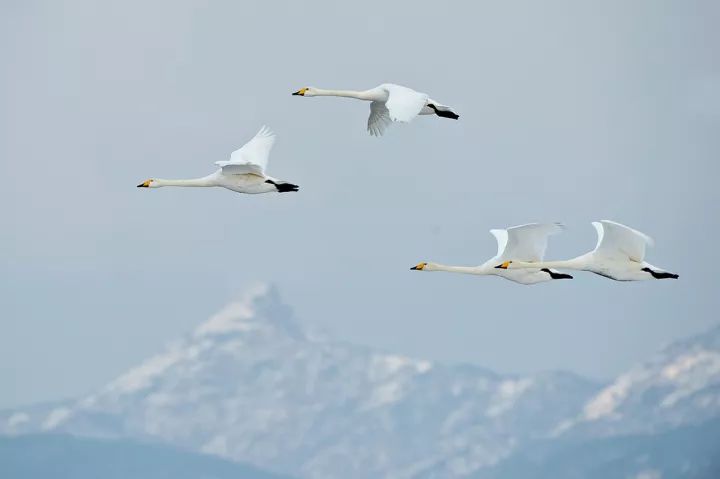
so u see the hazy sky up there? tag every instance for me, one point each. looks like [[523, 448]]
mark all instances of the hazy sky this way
[[570, 111]]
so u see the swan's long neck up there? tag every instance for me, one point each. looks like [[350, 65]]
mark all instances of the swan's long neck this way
[[205, 181], [368, 95], [457, 269]]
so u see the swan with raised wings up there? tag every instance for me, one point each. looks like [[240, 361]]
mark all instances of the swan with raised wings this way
[[243, 173], [526, 241], [619, 255], [388, 103]]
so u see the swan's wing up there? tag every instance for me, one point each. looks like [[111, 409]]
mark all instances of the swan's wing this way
[[525, 242], [253, 157], [403, 104], [619, 241], [379, 118], [229, 168]]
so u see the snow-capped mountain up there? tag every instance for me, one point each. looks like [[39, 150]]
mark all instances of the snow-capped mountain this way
[[679, 386], [250, 384]]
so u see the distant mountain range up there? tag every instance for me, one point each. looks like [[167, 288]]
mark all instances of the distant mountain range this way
[[689, 452], [66, 457], [251, 385]]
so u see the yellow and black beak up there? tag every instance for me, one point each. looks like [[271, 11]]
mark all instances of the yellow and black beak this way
[[144, 184], [504, 265], [418, 267], [300, 92]]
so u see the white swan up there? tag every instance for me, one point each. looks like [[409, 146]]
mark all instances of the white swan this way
[[619, 255], [244, 173], [389, 103], [526, 241]]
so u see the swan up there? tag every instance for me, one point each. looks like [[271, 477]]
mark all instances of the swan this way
[[388, 103], [619, 255], [526, 241], [244, 173]]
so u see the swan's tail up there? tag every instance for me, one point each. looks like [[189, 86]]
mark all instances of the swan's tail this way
[[282, 186], [443, 111]]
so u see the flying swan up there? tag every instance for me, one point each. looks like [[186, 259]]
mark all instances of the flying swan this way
[[388, 103], [244, 173], [525, 241], [619, 255]]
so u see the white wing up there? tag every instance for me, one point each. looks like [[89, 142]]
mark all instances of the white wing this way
[[252, 158], [525, 242], [403, 104], [620, 241], [379, 118]]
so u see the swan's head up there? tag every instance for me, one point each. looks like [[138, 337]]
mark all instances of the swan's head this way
[[307, 91], [424, 267], [149, 184], [505, 265]]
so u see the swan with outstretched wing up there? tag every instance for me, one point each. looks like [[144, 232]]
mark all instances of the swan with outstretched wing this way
[[388, 103], [243, 173], [524, 241], [619, 254]]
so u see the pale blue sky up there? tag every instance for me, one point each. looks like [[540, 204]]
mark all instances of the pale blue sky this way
[[570, 111]]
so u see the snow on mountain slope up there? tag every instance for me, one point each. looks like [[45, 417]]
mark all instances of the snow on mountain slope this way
[[678, 386], [250, 384]]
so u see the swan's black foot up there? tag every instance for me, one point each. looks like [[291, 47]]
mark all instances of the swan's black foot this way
[[444, 113], [555, 275], [661, 274]]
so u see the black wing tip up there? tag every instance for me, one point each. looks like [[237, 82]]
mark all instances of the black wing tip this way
[[444, 113], [555, 275], [286, 187], [448, 114], [661, 274]]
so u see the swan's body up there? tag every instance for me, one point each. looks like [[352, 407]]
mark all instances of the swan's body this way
[[244, 173], [389, 103], [526, 241], [619, 255]]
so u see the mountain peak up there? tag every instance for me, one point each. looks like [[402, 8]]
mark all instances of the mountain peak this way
[[259, 308], [251, 385], [259, 311]]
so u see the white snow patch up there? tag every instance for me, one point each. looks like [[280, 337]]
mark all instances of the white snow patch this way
[[508, 392], [605, 403], [55, 418], [235, 316], [423, 366], [394, 363], [561, 428], [17, 419], [385, 394], [691, 373], [389, 364], [710, 361], [142, 376]]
